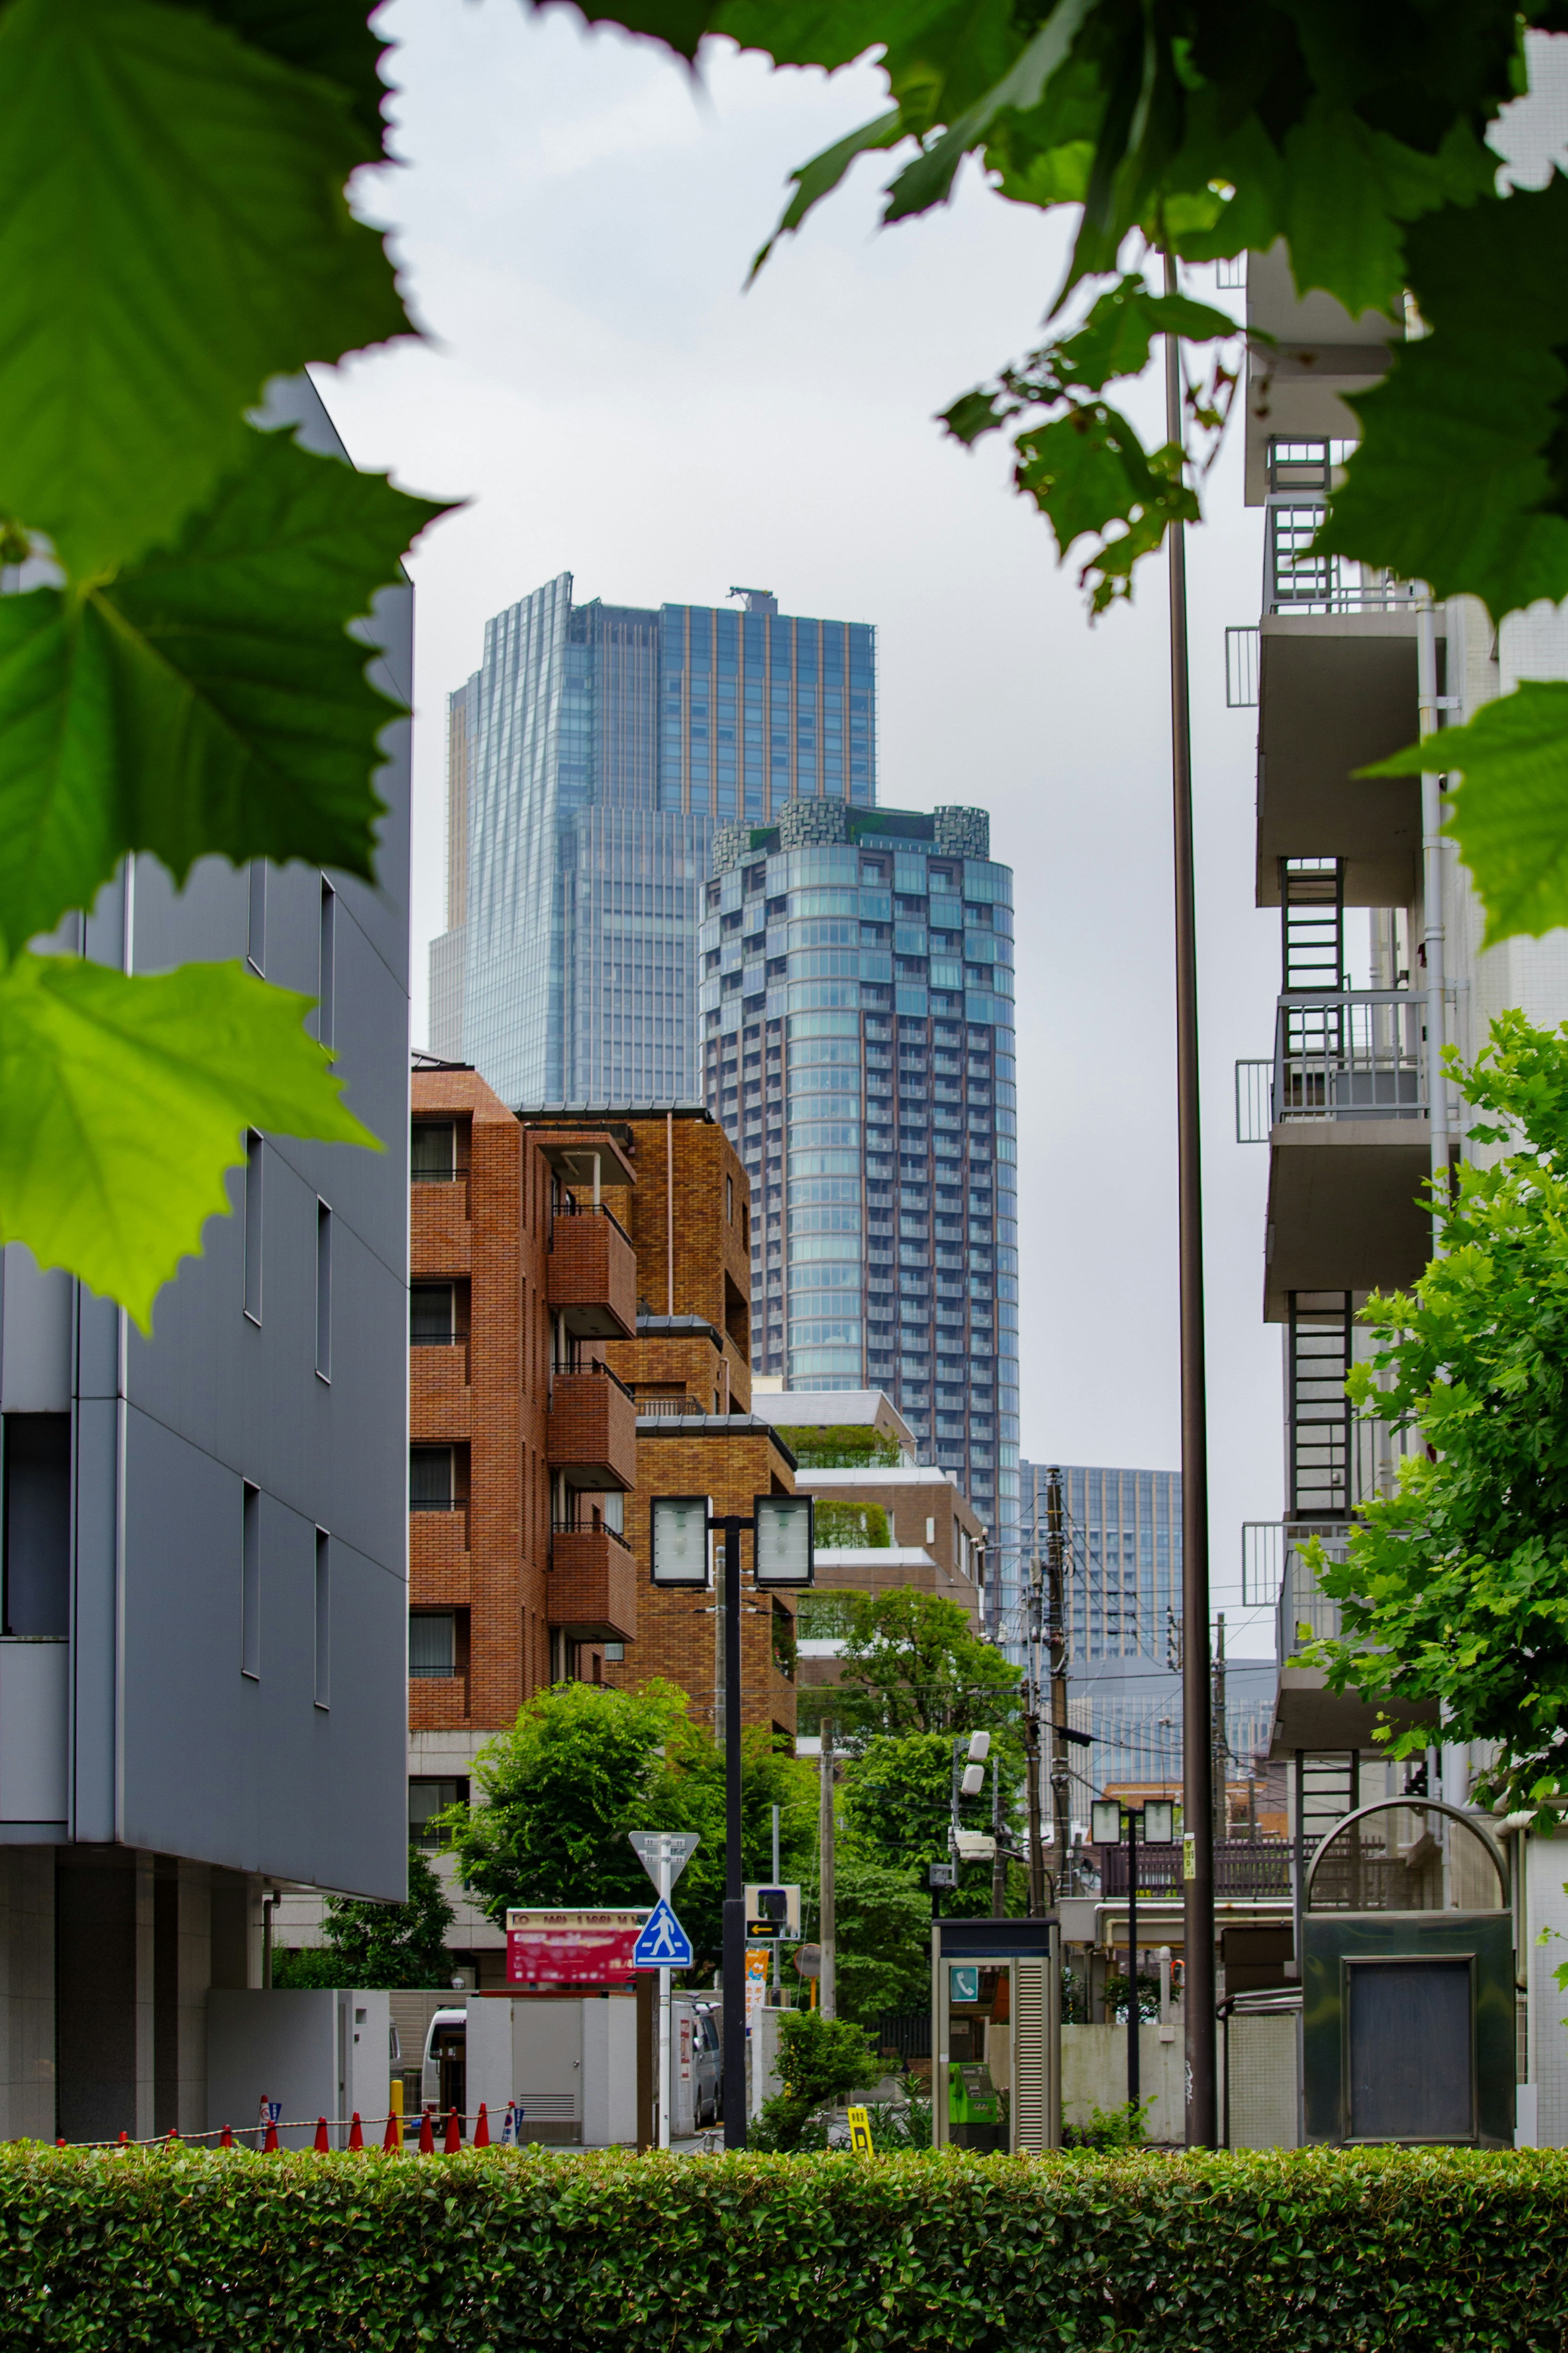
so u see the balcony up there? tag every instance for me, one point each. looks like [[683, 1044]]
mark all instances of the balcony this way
[[1320, 353], [438, 1392], [1343, 1107], [1336, 691], [593, 1276], [590, 1431], [593, 1589], [440, 1233], [439, 1559], [1307, 1715]]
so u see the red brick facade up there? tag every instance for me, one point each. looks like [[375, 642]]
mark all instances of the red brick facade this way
[[670, 1260]]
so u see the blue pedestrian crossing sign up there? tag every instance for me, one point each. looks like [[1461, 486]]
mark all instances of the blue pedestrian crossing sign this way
[[663, 1943]]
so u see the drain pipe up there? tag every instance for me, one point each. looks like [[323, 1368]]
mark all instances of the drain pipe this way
[[1432, 891]]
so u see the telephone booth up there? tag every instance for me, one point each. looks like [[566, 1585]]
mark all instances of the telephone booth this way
[[995, 2031], [1407, 2014]]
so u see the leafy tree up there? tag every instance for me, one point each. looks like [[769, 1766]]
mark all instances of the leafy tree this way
[[821, 2060], [882, 1938], [1455, 1589], [1358, 139], [557, 1793], [912, 1663], [178, 677], [378, 1944], [894, 1800]]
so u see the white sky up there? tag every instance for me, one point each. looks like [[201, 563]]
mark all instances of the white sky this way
[[576, 221]]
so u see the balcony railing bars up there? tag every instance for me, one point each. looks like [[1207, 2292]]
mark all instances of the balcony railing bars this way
[[1352, 1053], [1264, 1544], [1298, 578], [569, 1209], [1304, 1612], [572, 1368], [679, 1407], [587, 1526], [1242, 1868]]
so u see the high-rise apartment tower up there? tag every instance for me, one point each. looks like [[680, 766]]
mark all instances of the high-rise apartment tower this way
[[590, 758], [857, 1043]]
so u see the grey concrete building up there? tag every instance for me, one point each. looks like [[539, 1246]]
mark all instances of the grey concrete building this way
[[202, 1667]]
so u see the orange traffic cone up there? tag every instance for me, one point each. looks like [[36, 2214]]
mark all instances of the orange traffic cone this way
[[391, 2138], [321, 2142], [454, 2140], [269, 2146], [356, 2137], [482, 2129], [226, 2139], [426, 2136]]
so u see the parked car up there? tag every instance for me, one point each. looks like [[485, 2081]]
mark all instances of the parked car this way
[[707, 2064]]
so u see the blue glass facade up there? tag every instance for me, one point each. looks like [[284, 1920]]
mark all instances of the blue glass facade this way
[[858, 1045], [1124, 1557], [591, 756]]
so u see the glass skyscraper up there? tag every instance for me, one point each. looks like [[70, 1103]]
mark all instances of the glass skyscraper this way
[[590, 758], [858, 1045], [1123, 1532]]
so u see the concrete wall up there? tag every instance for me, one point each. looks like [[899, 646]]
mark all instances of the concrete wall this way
[[26, 1993], [1094, 2074]]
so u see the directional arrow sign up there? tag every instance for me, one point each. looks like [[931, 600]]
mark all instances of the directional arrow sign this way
[[663, 1943], [674, 1847]]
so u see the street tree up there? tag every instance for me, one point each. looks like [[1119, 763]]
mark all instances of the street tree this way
[[1455, 1590], [912, 1663], [896, 1799], [378, 1944], [1358, 141], [557, 1792]]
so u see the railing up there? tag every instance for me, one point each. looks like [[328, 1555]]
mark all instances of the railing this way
[[592, 1210], [1267, 1545], [589, 1527], [592, 1365], [1242, 1868], [1300, 579], [1339, 1054], [1304, 1612], [680, 1406]]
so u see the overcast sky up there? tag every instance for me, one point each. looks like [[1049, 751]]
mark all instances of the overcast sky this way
[[575, 218]]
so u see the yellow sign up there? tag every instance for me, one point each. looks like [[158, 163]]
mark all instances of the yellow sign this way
[[860, 2132]]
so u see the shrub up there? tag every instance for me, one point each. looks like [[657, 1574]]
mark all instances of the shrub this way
[[1122, 2127], [1355, 2251]]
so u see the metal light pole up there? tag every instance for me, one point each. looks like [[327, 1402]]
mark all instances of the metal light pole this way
[[1197, 1764], [1134, 2080]]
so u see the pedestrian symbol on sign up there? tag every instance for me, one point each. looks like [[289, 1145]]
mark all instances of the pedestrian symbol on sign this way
[[663, 1943]]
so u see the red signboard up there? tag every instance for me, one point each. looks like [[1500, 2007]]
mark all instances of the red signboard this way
[[570, 1948]]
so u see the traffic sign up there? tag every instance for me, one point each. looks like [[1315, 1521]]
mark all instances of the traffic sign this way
[[663, 1944], [654, 1848], [860, 2132]]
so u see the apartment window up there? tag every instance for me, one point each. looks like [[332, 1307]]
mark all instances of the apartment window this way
[[326, 981], [614, 1654], [256, 924], [433, 1645], [433, 1314], [250, 1583], [434, 1156], [324, 1619], [427, 1799], [430, 1479], [324, 1292], [37, 1523], [253, 1149]]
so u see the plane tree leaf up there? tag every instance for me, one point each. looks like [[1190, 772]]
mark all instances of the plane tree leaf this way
[[207, 698], [1510, 816], [124, 1099], [172, 232], [331, 38], [1462, 477]]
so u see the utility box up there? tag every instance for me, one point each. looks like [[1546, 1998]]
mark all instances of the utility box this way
[[317, 2053], [567, 2062], [996, 2035], [1408, 2007]]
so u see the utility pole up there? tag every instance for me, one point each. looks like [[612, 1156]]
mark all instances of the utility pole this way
[[998, 1860], [1056, 1628], [733, 2023], [1134, 2080], [1032, 1736], [827, 1996], [1197, 1761]]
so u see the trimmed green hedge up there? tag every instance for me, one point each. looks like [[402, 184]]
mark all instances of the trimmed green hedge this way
[[1420, 2251]]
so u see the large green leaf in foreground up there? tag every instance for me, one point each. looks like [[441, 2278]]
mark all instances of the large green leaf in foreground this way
[[207, 698], [172, 232], [1509, 816], [124, 1097]]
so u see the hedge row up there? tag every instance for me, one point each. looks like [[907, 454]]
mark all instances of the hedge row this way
[[1422, 2252]]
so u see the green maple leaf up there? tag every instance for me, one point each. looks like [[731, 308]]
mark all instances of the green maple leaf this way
[[207, 698], [124, 1097], [1509, 816], [172, 233]]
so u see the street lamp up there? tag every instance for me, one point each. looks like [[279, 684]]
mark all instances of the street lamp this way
[[1156, 1821], [782, 1536]]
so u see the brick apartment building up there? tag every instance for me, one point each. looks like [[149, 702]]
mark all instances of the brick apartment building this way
[[580, 1342]]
